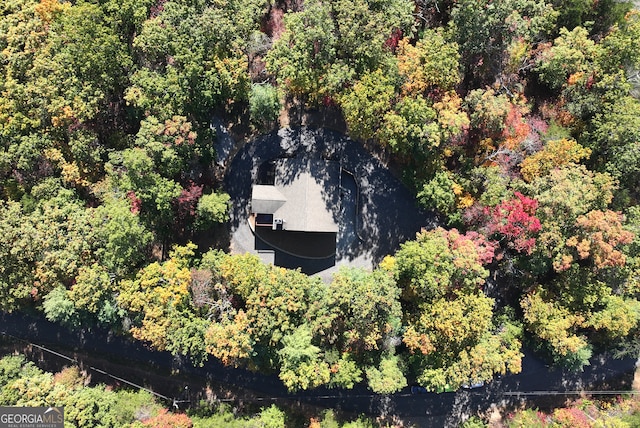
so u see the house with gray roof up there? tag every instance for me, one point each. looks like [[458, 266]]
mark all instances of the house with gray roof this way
[[296, 211]]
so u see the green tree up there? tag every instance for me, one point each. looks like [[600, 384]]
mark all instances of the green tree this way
[[485, 29], [13, 367], [366, 103], [170, 143], [572, 52], [489, 185], [455, 342], [411, 128], [278, 305], [59, 308], [18, 251], [63, 81], [600, 15], [89, 407], [365, 312], [29, 391], [87, 60], [439, 261], [134, 173], [451, 331], [615, 138], [63, 234], [488, 110], [122, 240], [388, 377], [302, 56], [192, 59], [563, 195], [439, 194], [93, 294], [329, 45], [270, 303], [619, 44], [591, 75], [212, 209], [570, 191], [557, 326], [301, 365], [77, 66], [272, 417], [591, 299], [264, 105], [357, 321], [431, 65]]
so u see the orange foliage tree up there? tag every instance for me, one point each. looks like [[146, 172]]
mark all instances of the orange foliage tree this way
[[166, 419], [599, 237]]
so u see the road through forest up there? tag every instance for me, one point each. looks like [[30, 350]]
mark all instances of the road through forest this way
[[168, 376]]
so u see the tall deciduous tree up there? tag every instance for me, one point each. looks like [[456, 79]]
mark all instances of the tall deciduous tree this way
[[358, 321], [429, 67], [122, 241], [133, 171], [18, 253], [615, 140], [455, 342], [191, 57], [364, 311], [556, 153], [564, 195], [264, 105], [366, 103], [451, 330], [301, 365], [440, 261], [329, 45], [485, 29], [158, 302]]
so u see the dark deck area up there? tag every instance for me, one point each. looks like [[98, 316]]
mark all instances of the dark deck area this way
[[310, 245]]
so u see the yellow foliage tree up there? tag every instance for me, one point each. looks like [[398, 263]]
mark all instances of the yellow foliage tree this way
[[433, 63], [158, 300], [555, 154]]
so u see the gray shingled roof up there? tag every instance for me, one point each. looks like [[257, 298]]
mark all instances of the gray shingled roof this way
[[304, 193], [266, 199]]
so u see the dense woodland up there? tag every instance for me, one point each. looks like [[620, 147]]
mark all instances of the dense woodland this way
[[23, 384], [516, 121]]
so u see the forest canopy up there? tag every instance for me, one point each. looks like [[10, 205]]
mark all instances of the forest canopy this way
[[515, 122]]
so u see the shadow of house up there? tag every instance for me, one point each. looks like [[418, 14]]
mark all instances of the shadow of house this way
[[296, 217]]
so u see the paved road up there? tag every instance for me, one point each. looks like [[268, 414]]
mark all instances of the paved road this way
[[386, 212], [168, 376]]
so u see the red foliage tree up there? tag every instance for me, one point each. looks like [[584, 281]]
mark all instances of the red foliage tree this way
[[472, 242], [514, 223], [135, 201], [187, 202], [392, 42], [516, 128]]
